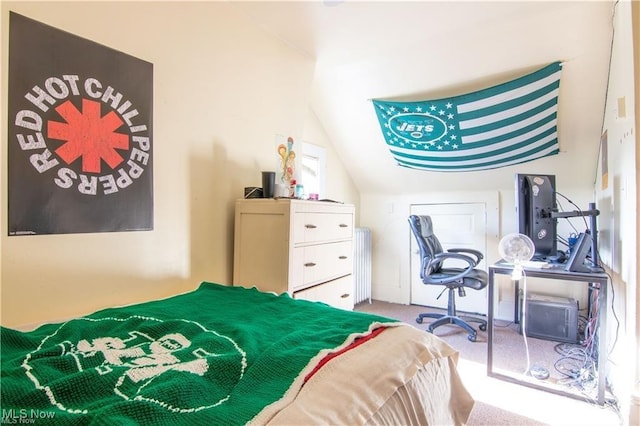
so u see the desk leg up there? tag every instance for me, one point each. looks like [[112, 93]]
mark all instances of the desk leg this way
[[602, 340], [490, 284]]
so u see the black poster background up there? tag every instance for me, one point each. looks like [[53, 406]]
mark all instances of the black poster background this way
[[37, 205]]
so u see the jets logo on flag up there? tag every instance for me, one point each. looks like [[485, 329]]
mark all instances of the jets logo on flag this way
[[511, 123]]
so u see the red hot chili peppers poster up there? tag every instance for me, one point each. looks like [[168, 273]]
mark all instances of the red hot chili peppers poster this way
[[80, 134]]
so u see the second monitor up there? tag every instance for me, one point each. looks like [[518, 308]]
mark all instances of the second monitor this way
[[579, 260]]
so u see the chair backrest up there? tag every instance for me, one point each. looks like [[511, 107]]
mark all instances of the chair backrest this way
[[428, 243]]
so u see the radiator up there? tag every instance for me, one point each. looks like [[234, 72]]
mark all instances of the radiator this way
[[362, 265]]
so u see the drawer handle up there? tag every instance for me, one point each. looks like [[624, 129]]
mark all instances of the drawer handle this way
[[310, 226], [344, 296], [343, 225], [342, 257], [309, 264]]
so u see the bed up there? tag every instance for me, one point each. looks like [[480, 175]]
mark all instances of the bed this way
[[230, 355]]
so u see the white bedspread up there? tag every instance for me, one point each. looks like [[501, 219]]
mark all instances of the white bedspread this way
[[403, 376]]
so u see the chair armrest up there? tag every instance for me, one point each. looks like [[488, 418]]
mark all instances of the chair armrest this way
[[478, 255], [442, 257]]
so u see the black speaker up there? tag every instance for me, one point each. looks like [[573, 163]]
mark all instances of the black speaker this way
[[550, 318]]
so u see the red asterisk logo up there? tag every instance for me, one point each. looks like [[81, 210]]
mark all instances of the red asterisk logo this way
[[88, 135]]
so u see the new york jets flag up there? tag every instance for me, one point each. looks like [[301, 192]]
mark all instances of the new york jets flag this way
[[511, 123]]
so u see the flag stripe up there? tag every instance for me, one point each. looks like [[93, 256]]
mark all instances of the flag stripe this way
[[534, 82], [550, 136], [478, 167], [506, 110], [490, 133], [507, 124], [473, 165]]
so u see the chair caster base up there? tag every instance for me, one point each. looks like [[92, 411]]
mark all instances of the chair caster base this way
[[452, 319]]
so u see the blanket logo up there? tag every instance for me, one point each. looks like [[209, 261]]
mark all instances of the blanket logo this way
[[65, 131], [168, 363]]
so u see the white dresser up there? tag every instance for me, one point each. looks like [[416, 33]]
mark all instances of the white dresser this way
[[301, 247]]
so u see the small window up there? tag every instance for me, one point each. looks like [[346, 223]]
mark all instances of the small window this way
[[314, 160]]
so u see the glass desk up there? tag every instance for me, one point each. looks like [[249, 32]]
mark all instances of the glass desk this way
[[597, 281]]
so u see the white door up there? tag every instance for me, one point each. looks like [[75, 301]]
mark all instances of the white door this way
[[457, 225]]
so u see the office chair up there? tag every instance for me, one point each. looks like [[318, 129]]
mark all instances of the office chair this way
[[434, 272]]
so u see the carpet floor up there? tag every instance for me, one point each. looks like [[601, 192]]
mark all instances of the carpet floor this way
[[499, 402]]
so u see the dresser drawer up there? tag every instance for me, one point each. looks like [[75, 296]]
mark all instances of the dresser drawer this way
[[314, 227], [285, 245], [337, 293], [314, 264]]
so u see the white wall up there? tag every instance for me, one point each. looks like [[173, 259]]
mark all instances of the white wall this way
[[222, 90], [617, 194]]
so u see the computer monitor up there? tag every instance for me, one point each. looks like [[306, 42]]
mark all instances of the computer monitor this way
[[535, 203], [578, 257]]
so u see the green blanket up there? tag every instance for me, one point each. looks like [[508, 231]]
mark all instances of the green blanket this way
[[216, 355]]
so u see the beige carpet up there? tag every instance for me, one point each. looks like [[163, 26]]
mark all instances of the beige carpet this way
[[499, 402]]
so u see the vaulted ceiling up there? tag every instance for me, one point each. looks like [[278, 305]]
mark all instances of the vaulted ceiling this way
[[428, 49]]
